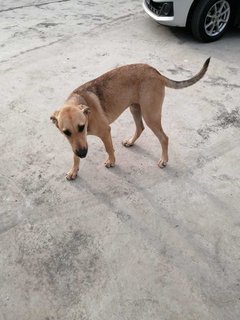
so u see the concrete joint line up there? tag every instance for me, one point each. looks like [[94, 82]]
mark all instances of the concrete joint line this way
[[33, 5]]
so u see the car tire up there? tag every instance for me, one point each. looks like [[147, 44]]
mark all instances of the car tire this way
[[210, 19]]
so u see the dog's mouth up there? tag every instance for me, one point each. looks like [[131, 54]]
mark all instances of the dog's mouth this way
[[81, 153]]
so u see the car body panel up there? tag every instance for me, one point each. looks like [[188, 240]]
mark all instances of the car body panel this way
[[179, 20], [181, 11]]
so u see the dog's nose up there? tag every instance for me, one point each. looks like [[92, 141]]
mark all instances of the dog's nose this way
[[81, 153]]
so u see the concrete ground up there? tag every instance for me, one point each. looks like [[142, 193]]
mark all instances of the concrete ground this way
[[133, 242]]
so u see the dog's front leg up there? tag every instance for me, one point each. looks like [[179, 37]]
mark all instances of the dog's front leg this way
[[72, 174], [107, 140]]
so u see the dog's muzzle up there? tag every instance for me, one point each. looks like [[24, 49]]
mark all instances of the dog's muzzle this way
[[81, 153]]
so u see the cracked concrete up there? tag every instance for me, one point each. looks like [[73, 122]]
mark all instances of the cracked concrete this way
[[134, 242], [72, 18], [36, 4]]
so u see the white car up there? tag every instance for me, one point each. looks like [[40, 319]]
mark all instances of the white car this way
[[207, 19]]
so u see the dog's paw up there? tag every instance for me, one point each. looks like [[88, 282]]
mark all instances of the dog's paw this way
[[71, 175], [127, 143], [162, 164], [109, 163]]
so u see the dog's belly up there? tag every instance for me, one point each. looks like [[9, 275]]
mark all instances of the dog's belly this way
[[115, 102]]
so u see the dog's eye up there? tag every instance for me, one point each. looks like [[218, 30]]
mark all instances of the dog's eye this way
[[67, 132], [81, 128]]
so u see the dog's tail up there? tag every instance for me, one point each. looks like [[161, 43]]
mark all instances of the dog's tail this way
[[186, 83]]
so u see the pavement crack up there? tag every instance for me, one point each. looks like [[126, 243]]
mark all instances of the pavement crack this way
[[33, 5], [111, 22], [32, 49]]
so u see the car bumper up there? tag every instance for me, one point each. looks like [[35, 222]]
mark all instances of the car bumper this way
[[179, 17]]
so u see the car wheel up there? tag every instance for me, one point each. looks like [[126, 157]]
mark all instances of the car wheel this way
[[210, 19]]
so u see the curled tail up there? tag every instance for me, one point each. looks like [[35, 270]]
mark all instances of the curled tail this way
[[186, 83]]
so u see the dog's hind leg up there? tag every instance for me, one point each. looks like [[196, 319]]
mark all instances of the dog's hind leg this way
[[154, 123], [137, 116]]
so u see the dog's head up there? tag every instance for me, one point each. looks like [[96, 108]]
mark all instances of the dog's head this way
[[72, 121]]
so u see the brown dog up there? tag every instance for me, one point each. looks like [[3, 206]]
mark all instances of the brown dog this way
[[91, 108]]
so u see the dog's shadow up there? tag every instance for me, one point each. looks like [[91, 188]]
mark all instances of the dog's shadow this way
[[138, 150], [119, 173]]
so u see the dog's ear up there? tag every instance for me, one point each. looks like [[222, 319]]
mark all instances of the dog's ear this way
[[86, 110], [54, 118]]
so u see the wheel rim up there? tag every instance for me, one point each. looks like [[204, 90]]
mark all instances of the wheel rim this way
[[217, 18]]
